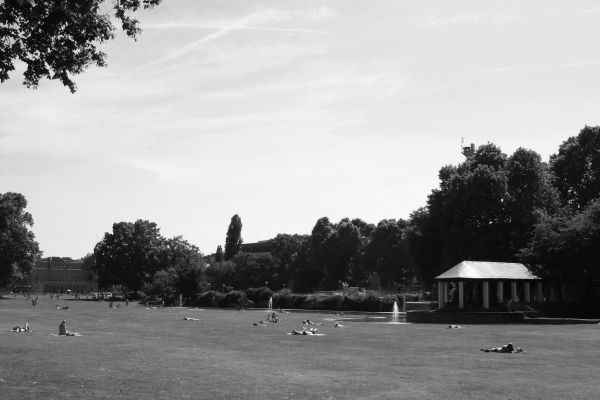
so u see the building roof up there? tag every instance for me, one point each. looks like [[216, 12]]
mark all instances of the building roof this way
[[487, 270]]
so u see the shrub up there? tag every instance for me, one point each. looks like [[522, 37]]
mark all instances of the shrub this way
[[260, 295], [334, 302], [283, 299], [205, 299], [231, 299]]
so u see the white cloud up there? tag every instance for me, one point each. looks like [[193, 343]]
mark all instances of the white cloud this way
[[433, 21], [577, 64], [253, 21], [594, 10]]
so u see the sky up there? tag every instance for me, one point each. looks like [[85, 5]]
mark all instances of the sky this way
[[287, 111]]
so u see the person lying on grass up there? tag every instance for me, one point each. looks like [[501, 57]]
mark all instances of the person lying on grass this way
[[507, 348], [21, 330], [309, 322], [454, 326], [190, 319], [62, 307], [62, 330], [304, 331], [338, 325]]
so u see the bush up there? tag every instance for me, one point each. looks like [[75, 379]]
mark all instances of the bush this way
[[283, 299], [259, 295], [233, 299], [334, 302], [361, 302], [206, 299]]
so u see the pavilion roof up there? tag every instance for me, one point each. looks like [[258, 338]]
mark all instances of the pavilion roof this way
[[487, 270]]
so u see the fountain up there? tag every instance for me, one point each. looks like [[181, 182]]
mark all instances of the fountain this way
[[395, 313], [270, 306]]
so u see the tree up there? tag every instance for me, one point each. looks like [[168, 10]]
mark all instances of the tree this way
[[387, 252], [288, 250], [425, 242], [484, 209], [530, 195], [564, 247], [219, 254], [254, 269], [576, 168], [335, 251], [18, 248], [57, 39], [130, 255], [183, 262], [233, 240]]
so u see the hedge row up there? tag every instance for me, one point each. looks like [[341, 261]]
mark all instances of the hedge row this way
[[286, 299]]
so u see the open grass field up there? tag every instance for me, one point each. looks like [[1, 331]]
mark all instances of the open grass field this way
[[135, 353]]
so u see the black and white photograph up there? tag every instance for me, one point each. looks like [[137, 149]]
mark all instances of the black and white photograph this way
[[299, 200]]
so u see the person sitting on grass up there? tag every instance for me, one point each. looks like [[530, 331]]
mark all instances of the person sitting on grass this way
[[62, 330], [338, 325]]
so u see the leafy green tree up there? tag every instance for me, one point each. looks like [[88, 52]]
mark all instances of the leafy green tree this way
[[288, 249], [425, 242], [387, 253], [184, 264], [18, 248], [335, 250], [219, 254], [130, 255], [254, 269], [530, 196], [484, 209], [221, 274], [233, 240], [57, 39], [564, 247], [576, 168]]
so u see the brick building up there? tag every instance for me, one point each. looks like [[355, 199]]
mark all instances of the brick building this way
[[57, 275]]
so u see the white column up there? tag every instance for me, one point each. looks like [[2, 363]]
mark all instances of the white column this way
[[513, 291], [440, 294], [461, 295], [486, 295], [500, 292], [527, 292], [540, 292]]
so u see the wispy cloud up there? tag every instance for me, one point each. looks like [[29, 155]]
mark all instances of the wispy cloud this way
[[594, 10], [577, 64], [253, 21], [433, 21]]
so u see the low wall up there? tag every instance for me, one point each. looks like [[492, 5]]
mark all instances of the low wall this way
[[447, 317]]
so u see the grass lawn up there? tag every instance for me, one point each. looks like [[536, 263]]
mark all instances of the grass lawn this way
[[134, 353]]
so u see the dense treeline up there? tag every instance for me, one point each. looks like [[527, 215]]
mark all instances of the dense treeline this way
[[492, 206]]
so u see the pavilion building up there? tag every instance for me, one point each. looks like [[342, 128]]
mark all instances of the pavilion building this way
[[484, 284]]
